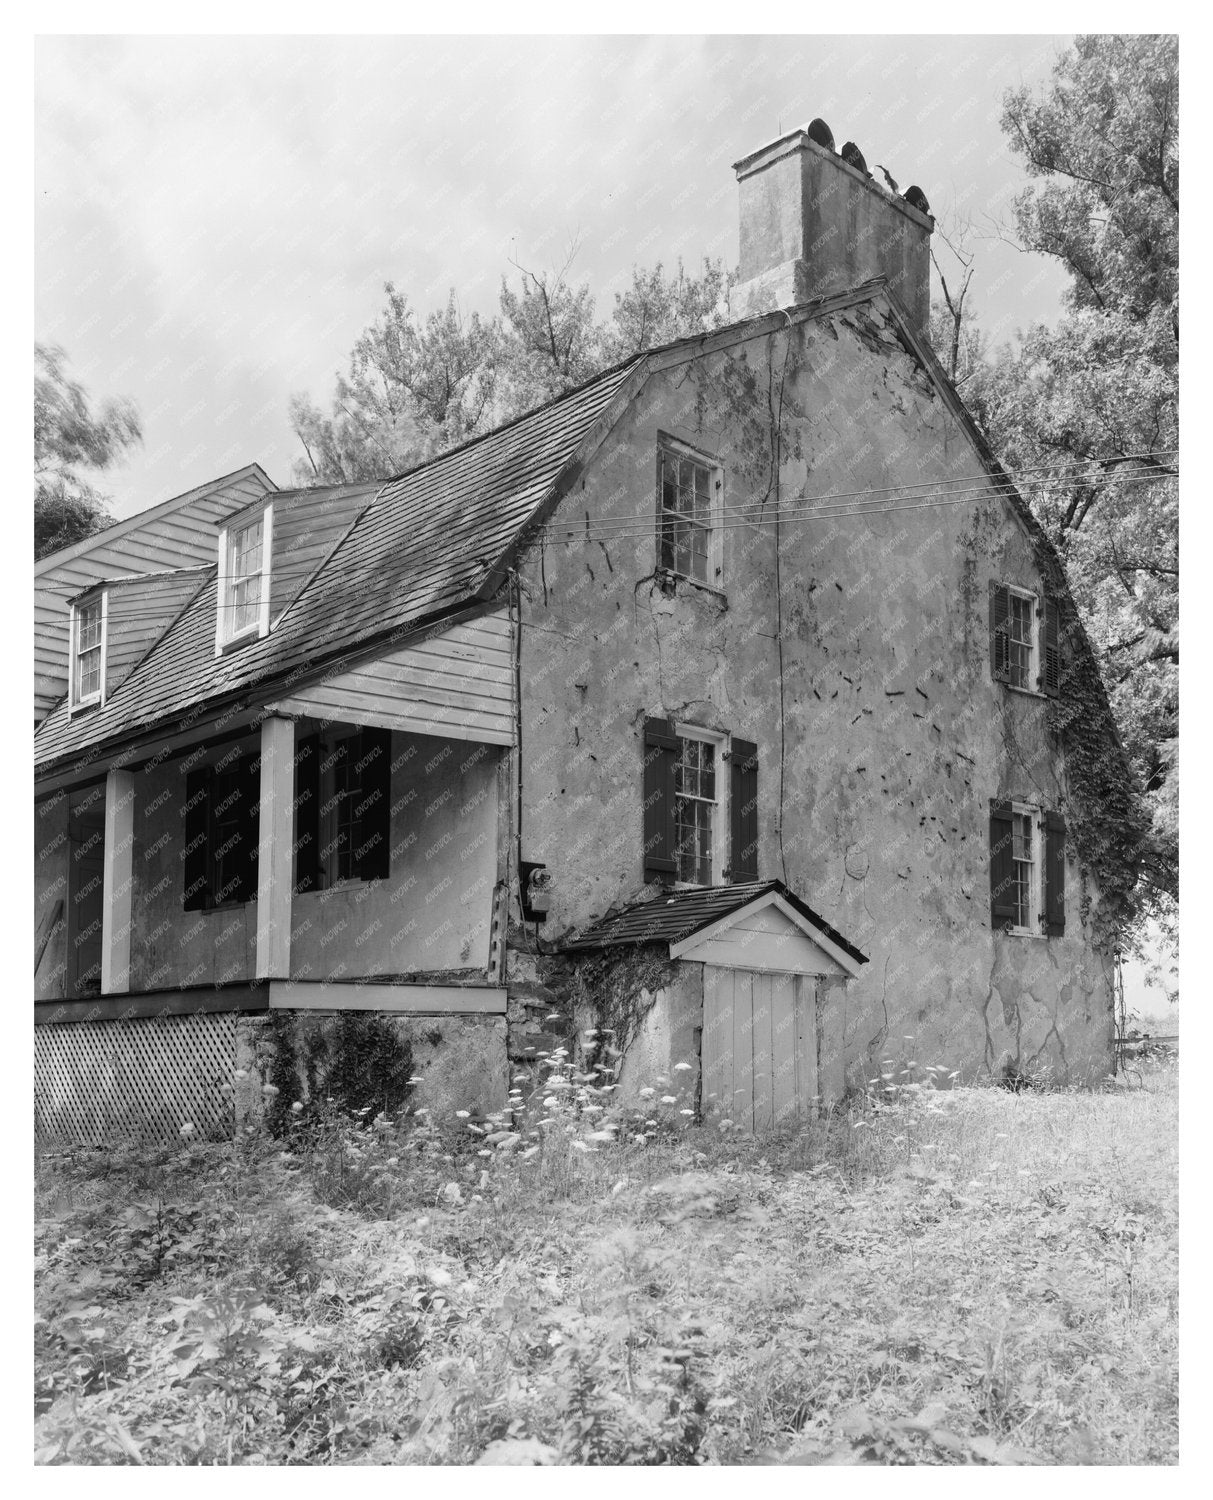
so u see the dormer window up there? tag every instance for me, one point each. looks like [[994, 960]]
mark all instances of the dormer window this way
[[244, 580], [88, 652]]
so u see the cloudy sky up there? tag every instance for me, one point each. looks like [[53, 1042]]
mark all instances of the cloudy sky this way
[[216, 216]]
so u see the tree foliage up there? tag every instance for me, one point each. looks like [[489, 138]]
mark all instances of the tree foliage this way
[[416, 387], [70, 436], [1087, 409]]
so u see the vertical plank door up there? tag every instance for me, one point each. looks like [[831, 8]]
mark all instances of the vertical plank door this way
[[763, 986], [788, 1105], [759, 1053]]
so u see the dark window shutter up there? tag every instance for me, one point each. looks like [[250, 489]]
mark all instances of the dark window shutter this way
[[250, 828], [1002, 867], [743, 812], [1050, 650], [660, 759], [373, 843], [1000, 637], [1055, 874], [197, 839], [307, 814], [665, 531]]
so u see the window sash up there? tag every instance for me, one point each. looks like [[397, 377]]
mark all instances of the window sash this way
[[244, 578], [1025, 846], [686, 514], [88, 652], [1021, 628], [696, 811]]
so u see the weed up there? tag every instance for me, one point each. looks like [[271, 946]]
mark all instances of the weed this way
[[959, 1276]]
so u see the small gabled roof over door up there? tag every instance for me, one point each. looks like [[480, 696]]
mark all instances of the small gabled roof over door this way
[[761, 926]]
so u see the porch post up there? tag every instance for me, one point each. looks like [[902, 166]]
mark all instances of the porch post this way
[[275, 872], [116, 882]]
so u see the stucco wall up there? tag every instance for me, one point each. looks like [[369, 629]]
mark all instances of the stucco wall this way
[[895, 737], [460, 1061], [668, 1035]]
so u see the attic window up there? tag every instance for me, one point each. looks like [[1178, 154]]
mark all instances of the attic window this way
[[88, 652], [244, 580], [1024, 639], [689, 491]]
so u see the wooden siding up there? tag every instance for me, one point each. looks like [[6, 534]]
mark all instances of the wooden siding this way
[[759, 1047], [178, 534], [764, 940], [138, 613], [458, 685], [307, 526], [414, 999]]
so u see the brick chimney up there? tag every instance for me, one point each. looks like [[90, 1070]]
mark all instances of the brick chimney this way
[[811, 224]]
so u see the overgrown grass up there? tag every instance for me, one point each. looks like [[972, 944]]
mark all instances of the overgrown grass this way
[[967, 1276]]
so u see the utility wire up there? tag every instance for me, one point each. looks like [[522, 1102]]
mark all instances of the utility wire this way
[[642, 529], [989, 489]]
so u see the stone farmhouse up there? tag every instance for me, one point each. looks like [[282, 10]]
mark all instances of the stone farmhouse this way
[[730, 710]]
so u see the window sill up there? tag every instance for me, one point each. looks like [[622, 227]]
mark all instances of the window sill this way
[[1025, 692], [706, 588], [84, 705], [236, 641]]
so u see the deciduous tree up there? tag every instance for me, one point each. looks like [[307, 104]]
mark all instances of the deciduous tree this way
[[1089, 406], [71, 436]]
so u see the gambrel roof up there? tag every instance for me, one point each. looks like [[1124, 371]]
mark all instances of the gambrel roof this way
[[424, 545], [440, 539]]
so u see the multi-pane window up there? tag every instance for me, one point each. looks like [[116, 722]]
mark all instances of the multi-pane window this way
[[88, 651], [1027, 869], [685, 507], [1026, 881], [244, 578], [1025, 639], [695, 811], [1021, 640], [341, 778]]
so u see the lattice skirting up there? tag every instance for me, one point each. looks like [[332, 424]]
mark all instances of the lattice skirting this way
[[145, 1077]]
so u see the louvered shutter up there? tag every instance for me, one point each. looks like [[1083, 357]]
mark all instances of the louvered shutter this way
[[1000, 632], [196, 885], [307, 814], [1055, 875], [660, 759], [1002, 867], [665, 531], [743, 812], [1050, 650], [373, 842]]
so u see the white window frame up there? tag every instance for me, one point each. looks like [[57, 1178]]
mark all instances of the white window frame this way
[[1036, 879], [225, 638], [715, 563], [97, 698], [1032, 685], [720, 814]]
